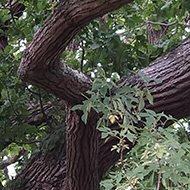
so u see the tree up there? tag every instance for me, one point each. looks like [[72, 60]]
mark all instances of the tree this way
[[80, 160]]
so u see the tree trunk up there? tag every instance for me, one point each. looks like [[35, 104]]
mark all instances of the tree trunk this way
[[82, 152]]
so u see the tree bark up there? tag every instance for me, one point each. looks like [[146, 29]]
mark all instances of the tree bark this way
[[40, 63], [82, 152], [41, 66], [88, 157], [171, 95], [46, 171]]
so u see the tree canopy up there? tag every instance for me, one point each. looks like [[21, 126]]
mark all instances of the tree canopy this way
[[95, 93]]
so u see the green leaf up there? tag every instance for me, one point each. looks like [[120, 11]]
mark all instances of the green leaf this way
[[149, 96], [174, 178], [77, 107], [104, 135], [124, 89], [97, 84], [95, 46], [103, 90], [130, 136], [141, 104], [115, 104], [107, 184], [167, 173], [120, 105], [166, 6], [84, 117], [157, 27]]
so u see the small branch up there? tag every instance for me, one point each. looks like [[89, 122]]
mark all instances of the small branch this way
[[19, 143], [31, 91], [43, 112], [6, 173], [29, 142], [9, 99], [41, 106], [166, 24], [12, 14], [159, 23], [122, 151], [82, 59], [184, 24], [159, 174]]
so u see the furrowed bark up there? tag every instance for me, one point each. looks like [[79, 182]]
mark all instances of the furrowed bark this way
[[171, 95], [41, 58], [41, 66], [82, 152], [47, 171]]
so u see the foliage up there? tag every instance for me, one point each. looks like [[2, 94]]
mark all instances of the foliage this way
[[18, 100], [121, 43], [159, 159], [160, 153]]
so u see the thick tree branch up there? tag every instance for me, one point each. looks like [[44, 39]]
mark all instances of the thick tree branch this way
[[40, 63], [171, 95]]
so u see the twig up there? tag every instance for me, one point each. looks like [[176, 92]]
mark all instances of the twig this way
[[159, 174], [6, 173], [31, 91], [159, 23], [184, 24], [82, 59], [43, 112], [17, 142], [166, 24], [41, 106], [9, 99], [122, 150], [12, 14]]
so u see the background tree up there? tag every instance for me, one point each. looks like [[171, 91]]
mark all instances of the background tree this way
[[33, 119]]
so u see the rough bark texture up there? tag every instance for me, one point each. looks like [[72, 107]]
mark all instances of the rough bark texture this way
[[40, 64], [155, 36], [171, 95], [88, 158], [46, 171], [82, 152]]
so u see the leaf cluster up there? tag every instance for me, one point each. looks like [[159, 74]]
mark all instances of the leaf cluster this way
[[158, 158]]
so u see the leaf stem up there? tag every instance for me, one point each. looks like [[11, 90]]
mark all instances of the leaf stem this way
[[159, 174]]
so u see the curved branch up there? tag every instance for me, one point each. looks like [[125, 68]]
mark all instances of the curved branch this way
[[172, 94], [41, 59], [40, 65]]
